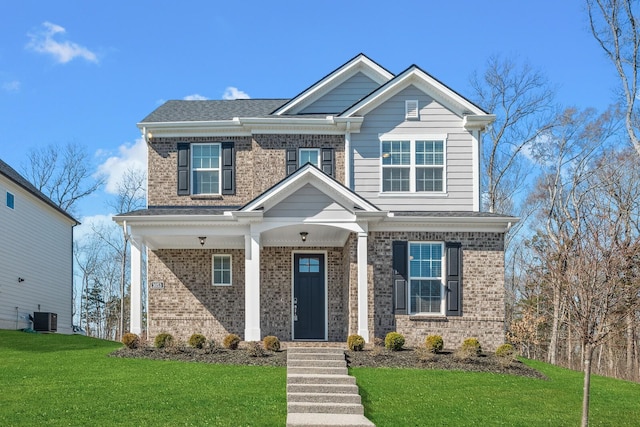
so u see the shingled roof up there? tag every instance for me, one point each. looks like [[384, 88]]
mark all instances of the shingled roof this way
[[18, 179], [202, 111]]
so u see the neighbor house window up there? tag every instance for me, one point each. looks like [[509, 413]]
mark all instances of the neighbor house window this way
[[205, 168], [425, 278], [10, 200], [413, 164], [221, 270], [309, 155]]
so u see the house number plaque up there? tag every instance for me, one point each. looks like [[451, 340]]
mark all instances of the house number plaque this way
[[157, 285]]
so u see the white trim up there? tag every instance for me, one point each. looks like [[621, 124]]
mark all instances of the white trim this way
[[136, 290], [363, 287], [441, 278], [326, 291], [252, 288], [475, 168], [213, 270], [411, 109], [347, 157], [318, 152]]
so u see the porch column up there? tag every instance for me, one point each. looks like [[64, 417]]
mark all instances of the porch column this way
[[252, 287], [363, 288], [136, 290]]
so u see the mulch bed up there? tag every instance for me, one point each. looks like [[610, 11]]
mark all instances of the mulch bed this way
[[376, 357]]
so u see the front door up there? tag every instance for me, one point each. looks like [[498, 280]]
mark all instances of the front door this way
[[309, 322]]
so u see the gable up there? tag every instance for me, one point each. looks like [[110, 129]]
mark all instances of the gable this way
[[342, 96], [309, 202]]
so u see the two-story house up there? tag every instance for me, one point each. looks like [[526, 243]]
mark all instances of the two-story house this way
[[352, 208]]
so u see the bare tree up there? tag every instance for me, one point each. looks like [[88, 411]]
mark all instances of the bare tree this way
[[62, 173], [614, 24]]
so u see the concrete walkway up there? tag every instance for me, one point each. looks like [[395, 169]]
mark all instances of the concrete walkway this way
[[320, 392]]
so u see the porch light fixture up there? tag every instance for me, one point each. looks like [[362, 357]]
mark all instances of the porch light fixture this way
[[303, 235], [202, 239]]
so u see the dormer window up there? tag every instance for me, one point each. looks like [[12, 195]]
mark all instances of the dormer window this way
[[411, 109]]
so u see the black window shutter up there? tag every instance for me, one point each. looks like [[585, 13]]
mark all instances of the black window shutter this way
[[292, 161], [184, 156], [454, 278], [228, 168], [327, 161], [400, 277]]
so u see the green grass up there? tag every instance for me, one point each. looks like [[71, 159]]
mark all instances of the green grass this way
[[411, 397], [57, 380]]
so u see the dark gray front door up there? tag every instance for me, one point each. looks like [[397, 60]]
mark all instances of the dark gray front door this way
[[309, 297]]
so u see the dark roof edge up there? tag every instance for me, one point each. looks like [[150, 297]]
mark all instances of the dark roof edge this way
[[21, 181]]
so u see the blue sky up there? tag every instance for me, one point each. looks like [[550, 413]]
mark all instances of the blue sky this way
[[87, 72]]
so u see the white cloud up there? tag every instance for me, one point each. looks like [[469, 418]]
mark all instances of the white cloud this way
[[63, 51], [234, 93], [195, 97], [12, 86], [129, 157]]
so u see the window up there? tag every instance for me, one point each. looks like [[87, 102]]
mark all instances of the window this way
[[205, 168], [309, 155], [10, 200], [309, 265], [425, 278], [412, 164], [221, 270]]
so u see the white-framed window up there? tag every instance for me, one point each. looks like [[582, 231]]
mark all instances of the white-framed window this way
[[10, 200], [413, 163], [221, 269], [205, 168], [309, 155], [426, 286]]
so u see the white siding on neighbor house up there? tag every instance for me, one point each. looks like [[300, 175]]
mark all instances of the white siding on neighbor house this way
[[342, 96], [435, 119], [36, 245], [309, 202]]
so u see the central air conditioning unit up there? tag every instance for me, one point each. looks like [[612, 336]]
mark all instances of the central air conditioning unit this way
[[45, 322]]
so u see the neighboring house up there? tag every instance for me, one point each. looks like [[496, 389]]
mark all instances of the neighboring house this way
[[352, 208], [36, 255]]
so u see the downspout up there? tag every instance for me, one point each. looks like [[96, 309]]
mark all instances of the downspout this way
[[347, 156]]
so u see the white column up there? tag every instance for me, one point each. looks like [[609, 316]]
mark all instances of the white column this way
[[363, 288], [475, 159], [252, 287], [347, 157], [136, 290]]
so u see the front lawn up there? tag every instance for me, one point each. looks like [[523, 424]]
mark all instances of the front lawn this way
[[416, 397], [57, 380]]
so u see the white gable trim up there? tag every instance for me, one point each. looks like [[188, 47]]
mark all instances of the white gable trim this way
[[309, 174], [358, 64], [429, 85]]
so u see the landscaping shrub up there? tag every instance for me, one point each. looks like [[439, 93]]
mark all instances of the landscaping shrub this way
[[425, 355], [256, 349], [211, 347], [394, 341], [271, 343], [355, 342], [163, 340], [131, 340], [231, 342], [470, 349], [197, 340], [434, 343], [506, 353]]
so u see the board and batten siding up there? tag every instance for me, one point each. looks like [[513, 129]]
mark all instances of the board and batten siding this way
[[309, 202], [435, 119], [342, 96], [36, 245]]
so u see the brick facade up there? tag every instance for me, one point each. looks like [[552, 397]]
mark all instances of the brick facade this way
[[259, 163], [189, 303]]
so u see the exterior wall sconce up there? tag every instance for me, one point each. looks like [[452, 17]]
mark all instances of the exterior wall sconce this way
[[202, 239], [303, 235], [20, 280]]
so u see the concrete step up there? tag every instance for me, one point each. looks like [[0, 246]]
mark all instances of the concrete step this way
[[315, 356], [323, 388], [319, 350], [325, 408], [319, 379], [324, 397], [292, 363], [327, 420], [315, 370]]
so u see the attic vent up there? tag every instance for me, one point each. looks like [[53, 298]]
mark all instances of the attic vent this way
[[411, 109]]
